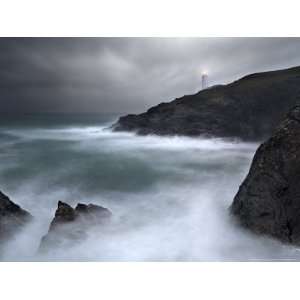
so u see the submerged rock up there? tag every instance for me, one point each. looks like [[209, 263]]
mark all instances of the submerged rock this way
[[248, 109], [72, 225], [12, 218], [268, 201]]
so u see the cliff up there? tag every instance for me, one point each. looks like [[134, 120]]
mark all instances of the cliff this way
[[248, 109], [268, 201]]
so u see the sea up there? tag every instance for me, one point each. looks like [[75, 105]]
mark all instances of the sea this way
[[169, 196]]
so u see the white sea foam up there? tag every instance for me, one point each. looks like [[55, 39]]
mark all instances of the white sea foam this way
[[169, 195]]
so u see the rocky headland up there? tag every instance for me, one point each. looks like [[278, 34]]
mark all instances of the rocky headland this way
[[247, 109]]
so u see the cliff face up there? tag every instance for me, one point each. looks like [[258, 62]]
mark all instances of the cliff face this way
[[268, 201], [249, 109], [12, 218]]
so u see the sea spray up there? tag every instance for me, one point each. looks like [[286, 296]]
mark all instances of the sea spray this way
[[169, 195]]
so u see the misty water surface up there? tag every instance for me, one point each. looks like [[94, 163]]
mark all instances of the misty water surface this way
[[169, 196]]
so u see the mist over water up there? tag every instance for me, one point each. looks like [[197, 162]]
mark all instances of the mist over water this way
[[169, 195]]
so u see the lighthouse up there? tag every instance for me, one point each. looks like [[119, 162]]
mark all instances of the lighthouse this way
[[204, 80]]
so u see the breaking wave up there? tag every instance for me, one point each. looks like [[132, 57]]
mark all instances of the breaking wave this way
[[169, 195]]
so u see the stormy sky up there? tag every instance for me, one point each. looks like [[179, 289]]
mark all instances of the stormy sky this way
[[122, 75]]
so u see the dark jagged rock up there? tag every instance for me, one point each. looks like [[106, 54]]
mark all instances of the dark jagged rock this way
[[12, 218], [72, 225], [268, 201], [249, 109]]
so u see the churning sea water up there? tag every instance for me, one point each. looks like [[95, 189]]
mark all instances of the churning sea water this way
[[169, 195]]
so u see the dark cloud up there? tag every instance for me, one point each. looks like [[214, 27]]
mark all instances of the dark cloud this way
[[126, 74]]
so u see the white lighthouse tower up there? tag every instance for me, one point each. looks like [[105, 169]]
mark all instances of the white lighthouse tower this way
[[204, 80]]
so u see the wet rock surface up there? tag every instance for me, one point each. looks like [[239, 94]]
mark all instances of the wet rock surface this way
[[268, 201], [12, 218], [249, 109], [71, 225]]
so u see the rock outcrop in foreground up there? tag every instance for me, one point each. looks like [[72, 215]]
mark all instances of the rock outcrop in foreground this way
[[72, 225], [268, 201], [12, 218], [248, 109]]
